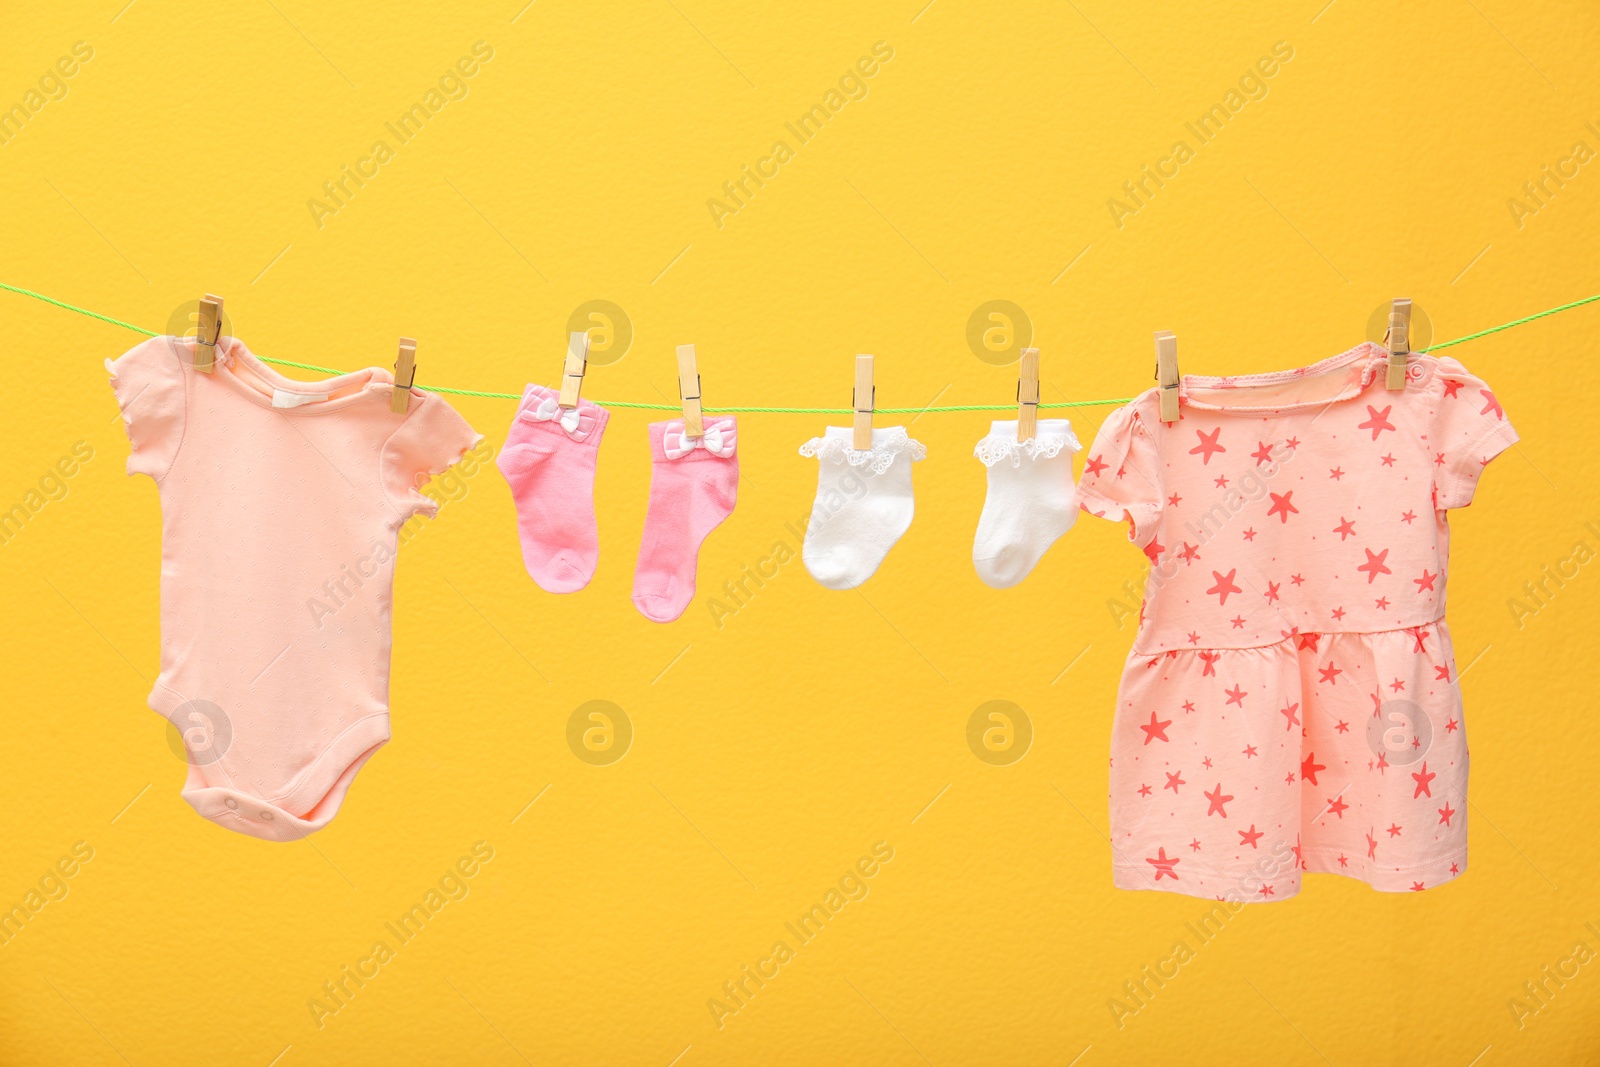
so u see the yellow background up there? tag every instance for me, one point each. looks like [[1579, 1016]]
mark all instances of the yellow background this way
[[772, 752]]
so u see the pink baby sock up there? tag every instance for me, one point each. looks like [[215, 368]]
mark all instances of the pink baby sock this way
[[693, 485], [548, 460]]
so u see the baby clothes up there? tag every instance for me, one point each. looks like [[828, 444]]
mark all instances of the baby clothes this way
[[694, 482], [549, 461], [863, 505], [1290, 703], [1030, 502], [281, 502]]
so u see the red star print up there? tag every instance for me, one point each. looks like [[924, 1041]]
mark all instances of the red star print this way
[[1450, 727], [1454, 869], [1272, 591], [1424, 778], [1337, 613], [1394, 831], [1224, 586], [1421, 636], [1250, 837], [1266, 891], [1383, 761], [1374, 565], [1122, 470], [1188, 706], [1290, 714], [1441, 673], [1238, 622], [1438, 459], [1190, 553], [1425, 583], [1235, 695], [1281, 506], [1297, 579], [1445, 814], [1210, 661], [1330, 673], [1309, 641], [1289, 778], [1157, 729], [1217, 799], [1343, 727], [1222, 481], [1379, 421], [1337, 807], [1346, 528], [1388, 460], [1417, 887], [1292, 443], [1174, 781], [1492, 405], [1194, 638], [1206, 763], [1207, 446], [1372, 847], [1408, 517], [1163, 865], [1250, 534], [1249, 751], [1397, 685], [1195, 844], [1145, 790], [1309, 768], [1154, 550], [1335, 473], [1263, 454], [1342, 861], [1382, 603], [1094, 466], [1172, 501], [1451, 387]]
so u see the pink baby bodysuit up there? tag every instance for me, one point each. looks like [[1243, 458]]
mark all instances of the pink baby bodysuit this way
[[281, 502], [1291, 702]]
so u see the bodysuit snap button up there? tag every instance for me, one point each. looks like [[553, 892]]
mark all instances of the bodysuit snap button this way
[[230, 802], [267, 815]]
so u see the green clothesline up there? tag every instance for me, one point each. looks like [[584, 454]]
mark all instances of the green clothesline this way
[[770, 410]]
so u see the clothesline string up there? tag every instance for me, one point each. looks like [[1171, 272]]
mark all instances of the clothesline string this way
[[771, 410]]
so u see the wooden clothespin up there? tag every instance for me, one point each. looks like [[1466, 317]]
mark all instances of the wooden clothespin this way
[[689, 392], [865, 393], [210, 332], [1167, 373], [405, 373], [1028, 396], [572, 371], [1399, 339]]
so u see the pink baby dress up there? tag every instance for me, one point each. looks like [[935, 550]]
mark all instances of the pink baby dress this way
[[1290, 703]]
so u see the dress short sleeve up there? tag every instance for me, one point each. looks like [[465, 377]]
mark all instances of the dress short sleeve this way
[[148, 383], [431, 438], [1467, 430], [1120, 477]]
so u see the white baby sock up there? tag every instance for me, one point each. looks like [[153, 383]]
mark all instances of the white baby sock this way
[[1030, 500], [863, 503]]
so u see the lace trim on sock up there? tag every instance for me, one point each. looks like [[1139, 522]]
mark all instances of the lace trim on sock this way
[[879, 458], [994, 448]]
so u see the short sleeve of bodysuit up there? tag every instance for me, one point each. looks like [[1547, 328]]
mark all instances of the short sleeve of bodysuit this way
[[1121, 476], [148, 383]]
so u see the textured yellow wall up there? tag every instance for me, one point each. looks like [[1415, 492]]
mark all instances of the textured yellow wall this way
[[770, 753]]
